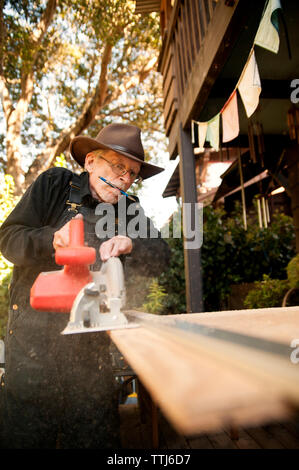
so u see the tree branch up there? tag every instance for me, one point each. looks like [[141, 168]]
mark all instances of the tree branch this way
[[133, 80], [87, 115], [27, 73], [44, 23], [4, 93]]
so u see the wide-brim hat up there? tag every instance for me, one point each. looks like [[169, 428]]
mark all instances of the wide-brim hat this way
[[122, 138]]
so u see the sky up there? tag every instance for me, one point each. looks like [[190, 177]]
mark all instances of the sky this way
[[156, 207]]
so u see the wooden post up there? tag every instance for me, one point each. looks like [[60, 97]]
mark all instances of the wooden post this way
[[292, 153], [193, 270], [242, 190]]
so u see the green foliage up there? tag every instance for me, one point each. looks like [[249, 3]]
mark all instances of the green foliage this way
[[7, 202], [267, 293], [173, 280], [155, 298], [230, 255], [293, 272]]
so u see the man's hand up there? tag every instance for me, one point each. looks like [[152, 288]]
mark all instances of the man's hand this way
[[118, 245], [62, 236]]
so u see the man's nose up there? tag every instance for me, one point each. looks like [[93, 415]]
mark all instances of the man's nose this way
[[126, 178]]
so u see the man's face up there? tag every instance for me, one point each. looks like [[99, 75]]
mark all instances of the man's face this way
[[97, 166]]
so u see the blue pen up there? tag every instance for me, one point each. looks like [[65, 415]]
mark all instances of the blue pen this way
[[115, 187]]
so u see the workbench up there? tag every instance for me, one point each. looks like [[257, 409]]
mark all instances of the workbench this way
[[209, 370]]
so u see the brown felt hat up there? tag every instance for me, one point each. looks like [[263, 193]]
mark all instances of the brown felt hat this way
[[122, 138]]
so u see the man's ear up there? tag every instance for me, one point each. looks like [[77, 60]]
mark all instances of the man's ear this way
[[89, 162]]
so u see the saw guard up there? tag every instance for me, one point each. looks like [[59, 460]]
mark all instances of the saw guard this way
[[108, 288]]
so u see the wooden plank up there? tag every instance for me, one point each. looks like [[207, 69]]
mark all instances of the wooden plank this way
[[200, 442], [196, 392], [183, 56], [203, 16], [191, 30], [171, 97], [197, 21], [245, 441], [167, 62], [278, 432], [168, 38], [168, 83], [169, 78], [171, 117], [273, 370], [187, 45], [179, 63], [170, 89], [276, 324], [211, 6], [292, 427], [222, 441], [264, 439]]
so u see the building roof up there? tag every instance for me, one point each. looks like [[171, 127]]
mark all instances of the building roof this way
[[173, 184]]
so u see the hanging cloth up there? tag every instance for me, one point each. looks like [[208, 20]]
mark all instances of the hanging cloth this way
[[249, 85], [230, 119], [267, 35], [213, 132], [202, 132]]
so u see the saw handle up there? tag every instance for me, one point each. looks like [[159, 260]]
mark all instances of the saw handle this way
[[76, 232], [55, 291], [76, 253]]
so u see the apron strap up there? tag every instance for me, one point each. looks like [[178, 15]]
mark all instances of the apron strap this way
[[74, 200]]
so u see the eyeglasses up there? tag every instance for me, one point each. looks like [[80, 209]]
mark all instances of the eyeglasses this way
[[120, 170]]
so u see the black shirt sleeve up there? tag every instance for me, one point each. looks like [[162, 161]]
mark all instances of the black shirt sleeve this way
[[26, 236]]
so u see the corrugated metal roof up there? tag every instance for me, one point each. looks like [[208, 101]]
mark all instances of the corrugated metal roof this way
[[147, 6]]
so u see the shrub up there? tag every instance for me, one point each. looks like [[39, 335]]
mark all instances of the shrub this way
[[267, 293], [173, 280], [155, 298], [232, 255], [229, 255], [293, 272]]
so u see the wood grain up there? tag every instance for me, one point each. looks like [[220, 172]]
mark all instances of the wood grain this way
[[197, 389]]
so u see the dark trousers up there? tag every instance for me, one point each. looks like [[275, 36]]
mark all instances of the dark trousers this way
[[59, 390]]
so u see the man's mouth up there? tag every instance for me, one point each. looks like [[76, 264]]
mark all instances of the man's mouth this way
[[118, 187], [113, 186], [122, 191]]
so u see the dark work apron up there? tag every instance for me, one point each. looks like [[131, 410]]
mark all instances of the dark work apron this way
[[58, 391]]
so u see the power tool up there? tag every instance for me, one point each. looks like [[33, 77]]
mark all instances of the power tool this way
[[94, 299]]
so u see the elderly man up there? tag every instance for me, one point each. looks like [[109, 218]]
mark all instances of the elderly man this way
[[58, 391]]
